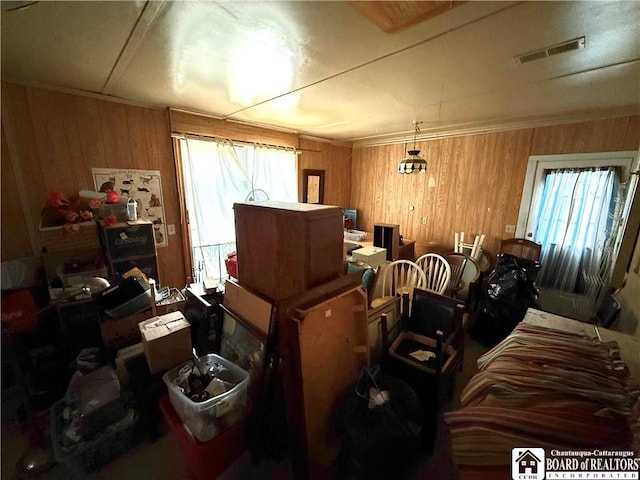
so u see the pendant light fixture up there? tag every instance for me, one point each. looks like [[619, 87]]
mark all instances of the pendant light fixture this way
[[413, 162]]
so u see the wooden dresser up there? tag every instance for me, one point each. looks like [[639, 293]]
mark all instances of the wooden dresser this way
[[285, 249], [291, 254]]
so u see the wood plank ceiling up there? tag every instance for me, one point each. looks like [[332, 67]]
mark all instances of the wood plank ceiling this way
[[393, 17]]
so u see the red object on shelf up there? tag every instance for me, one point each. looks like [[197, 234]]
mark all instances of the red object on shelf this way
[[231, 262], [206, 460], [19, 312], [112, 197]]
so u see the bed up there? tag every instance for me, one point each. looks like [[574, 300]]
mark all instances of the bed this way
[[553, 384]]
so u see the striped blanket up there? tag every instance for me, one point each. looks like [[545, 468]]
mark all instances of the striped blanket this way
[[543, 388]]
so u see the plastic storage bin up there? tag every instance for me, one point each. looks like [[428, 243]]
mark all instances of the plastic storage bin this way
[[205, 420], [355, 235], [95, 451], [231, 263], [205, 460], [78, 278]]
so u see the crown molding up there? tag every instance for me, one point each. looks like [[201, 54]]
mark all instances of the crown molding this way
[[81, 93], [477, 128]]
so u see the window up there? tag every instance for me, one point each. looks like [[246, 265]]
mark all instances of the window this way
[[575, 227], [218, 173]]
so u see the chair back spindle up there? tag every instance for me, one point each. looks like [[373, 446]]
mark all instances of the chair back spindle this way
[[437, 272]]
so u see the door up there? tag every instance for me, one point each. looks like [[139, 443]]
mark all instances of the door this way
[[577, 221]]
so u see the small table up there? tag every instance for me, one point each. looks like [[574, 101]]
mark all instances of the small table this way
[[405, 252]]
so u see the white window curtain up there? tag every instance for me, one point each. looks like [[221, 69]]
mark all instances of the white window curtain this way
[[575, 226], [219, 173]]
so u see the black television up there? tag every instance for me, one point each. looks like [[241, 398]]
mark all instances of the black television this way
[[205, 319]]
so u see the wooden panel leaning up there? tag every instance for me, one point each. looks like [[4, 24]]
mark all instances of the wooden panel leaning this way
[[323, 346]]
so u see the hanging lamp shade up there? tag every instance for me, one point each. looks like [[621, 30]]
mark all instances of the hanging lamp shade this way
[[413, 162]]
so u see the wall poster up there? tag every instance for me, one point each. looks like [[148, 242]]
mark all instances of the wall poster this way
[[145, 187]]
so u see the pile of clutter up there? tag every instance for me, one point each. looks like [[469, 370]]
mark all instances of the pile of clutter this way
[[95, 421], [200, 381]]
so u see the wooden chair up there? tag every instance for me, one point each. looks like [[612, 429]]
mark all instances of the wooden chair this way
[[428, 353], [457, 262], [521, 247], [465, 271], [397, 278], [474, 249], [432, 312], [437, 272]]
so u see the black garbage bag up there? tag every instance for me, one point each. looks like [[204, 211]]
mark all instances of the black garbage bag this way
[[380, 425], [505, 295]]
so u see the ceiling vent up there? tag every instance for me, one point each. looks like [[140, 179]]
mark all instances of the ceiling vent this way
[[575, 44]]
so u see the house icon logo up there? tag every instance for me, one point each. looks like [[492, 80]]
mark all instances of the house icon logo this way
[[527, 464]]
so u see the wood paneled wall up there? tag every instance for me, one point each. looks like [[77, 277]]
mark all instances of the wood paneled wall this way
[[15, 238], [473, 183], [335, 160], [55, 139]]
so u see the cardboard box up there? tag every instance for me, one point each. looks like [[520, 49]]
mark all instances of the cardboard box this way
[[166, 341], [123, 330], [123, 356], [374, 256]]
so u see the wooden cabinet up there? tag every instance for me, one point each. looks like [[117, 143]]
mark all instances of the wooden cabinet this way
[[285, 249], [387, 236], [127, 246]]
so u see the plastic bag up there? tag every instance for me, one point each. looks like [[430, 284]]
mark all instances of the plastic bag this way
[[505, 296], [381, 421]]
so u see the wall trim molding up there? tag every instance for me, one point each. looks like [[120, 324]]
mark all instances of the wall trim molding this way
[[479, 128], [81, 93]]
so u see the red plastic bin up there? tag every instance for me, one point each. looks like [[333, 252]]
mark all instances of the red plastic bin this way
[[205, 460], [231, 262]]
